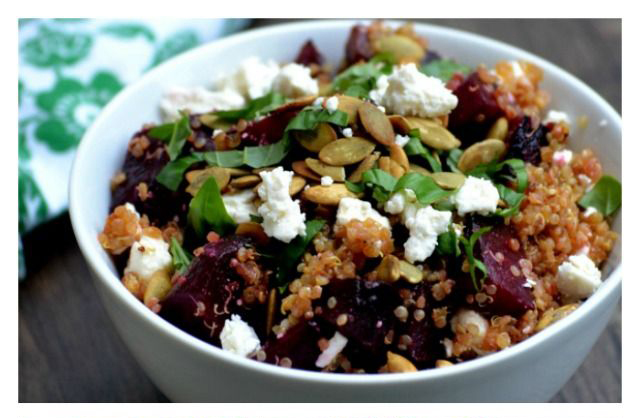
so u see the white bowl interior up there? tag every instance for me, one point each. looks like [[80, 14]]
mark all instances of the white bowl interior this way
[[102, 150]]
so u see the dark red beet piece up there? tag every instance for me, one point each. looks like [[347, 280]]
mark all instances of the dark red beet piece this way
[[267, 130], [358, 46], [476, 111], [309, 54], [161, 204], [206, 296], [512, 297], [299, 344], [525, 142]]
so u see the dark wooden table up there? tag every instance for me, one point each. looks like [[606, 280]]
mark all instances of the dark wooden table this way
[[70, 352]]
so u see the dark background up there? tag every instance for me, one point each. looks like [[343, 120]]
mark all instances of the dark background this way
[[70, 352]]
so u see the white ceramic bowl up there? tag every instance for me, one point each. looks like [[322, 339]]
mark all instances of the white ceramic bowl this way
[[187, 369]]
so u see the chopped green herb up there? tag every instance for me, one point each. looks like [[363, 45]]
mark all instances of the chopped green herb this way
[[452, 159], [358, 80], [444, 69], [207, 211], [181, 259], [292, 252], [415, 147], [171, 174], [309, 118], [605, 196], [512, 198], [384, 185], [256, 107], [475, 264], [175, 133], [448, 243]]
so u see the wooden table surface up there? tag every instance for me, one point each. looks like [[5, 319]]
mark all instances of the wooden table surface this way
[[70, 352]]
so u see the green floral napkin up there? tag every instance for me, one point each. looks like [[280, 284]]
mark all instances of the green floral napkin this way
[[68, 70]]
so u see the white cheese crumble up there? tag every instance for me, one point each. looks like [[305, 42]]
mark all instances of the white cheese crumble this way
[[347, 132], [240, 205], [239, 337], [562, 157], [556, 116], [589, 211], [476, 195], [409, 92], [331, 104], [402, 140], [148, 255], [282, 217], [318, 101], [294, 80], [198, 100], [326, 181], [351, 208], [336, 345], [424, 228], [253, 78], [578, 277]]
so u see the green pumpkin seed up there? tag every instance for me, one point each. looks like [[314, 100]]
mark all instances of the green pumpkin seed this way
[[432, 133], [375, 122], [499, 129], [327, 195], [417, 169], [554, 315], [448, 180], [196, 178], [315, 140], [346, 151], [391, 269], [297, 184], [336, 173], [245, 182], [365, 165], [301, 168], [403, 48], [349, 105], [481, 153], [212, 121]]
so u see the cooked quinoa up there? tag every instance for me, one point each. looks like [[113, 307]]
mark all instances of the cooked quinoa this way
[[322, 225]]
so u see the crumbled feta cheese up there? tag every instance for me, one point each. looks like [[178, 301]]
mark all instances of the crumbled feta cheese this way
[[399, 201], [294, 80], [253, 78], [239, 337], [402, 140], [240, 205], [318, 101], [555, 116], [589, 211], [424, 228], [282, 217], [562, 157], [347, 132], [408, 92], [351, 208], [578, 277], [197, 100], [466, 317], [326, 181], [476, 195], [336, 345], [331, 104], [148, 255]]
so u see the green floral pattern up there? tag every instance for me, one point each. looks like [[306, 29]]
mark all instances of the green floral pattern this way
[[54, 48]]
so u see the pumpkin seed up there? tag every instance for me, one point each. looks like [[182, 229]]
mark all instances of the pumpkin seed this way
[[349, 105], [297, 184], [296, 104], [554, 315], [409, 272], [499, 129], [440, 363], [271, 309], [375, 122], [398, 364], [417, 169], [346, 151], [447, 180], [212, 121], [389, 269], [432, 133], [327, 195], [397, 154], [253, 230], [367, 164], [245, 181], [391, 167], [403, 48], [158, 287], [336, 173], [482, 152], [196, 178], [238, 172], [301, 168], [316, 139]]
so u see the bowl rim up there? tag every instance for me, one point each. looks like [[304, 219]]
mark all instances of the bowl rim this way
[[112, 283]]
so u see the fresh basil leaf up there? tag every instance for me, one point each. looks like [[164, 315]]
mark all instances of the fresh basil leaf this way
[[207, 211], [171, 174], [512, 198], [162, 132], [605, 196], [452, 159], [292, 252], [180, 258], [425, 188], [181, 131], [415, 147], [379, 178], [448, 243], [475, 264], [494, 171], [355, 187], [309, 118], [266, 155], [358, 80], [229, 159], [256, 107], [444, 69]]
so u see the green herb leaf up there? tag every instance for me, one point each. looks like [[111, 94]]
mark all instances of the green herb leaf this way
[[292, 252], [181, 131], [452, 159], [494, 172], [382, 183], [162, 132], [207, 211], [415, 147], [512, 198], [171, 174], [181, 259], [309, 118], [256, 107], [358, 80], [355, 187], [605, 196], [475, 264], [444, 69], [448, 243], [425, 188]]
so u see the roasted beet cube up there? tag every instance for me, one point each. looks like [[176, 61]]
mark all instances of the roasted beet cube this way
[[504, 271], [299, 344], [358, 45], [309, 54], [267, 130], [476, 111], [525, 142], [208, 293]]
